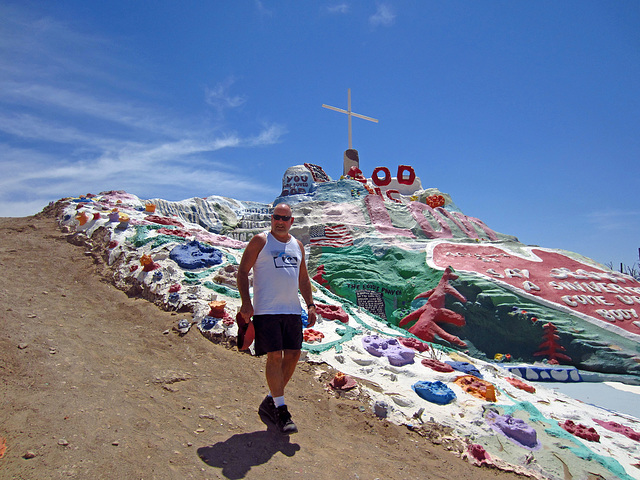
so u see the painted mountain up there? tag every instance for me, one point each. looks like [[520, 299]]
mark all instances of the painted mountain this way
[[376, 244]]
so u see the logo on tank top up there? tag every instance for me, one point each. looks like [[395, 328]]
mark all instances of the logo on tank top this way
[[283, 260]]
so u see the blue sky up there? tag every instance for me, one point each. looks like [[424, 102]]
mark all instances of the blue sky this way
[[526, 113]]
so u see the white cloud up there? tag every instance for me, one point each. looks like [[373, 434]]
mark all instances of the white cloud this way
[[61, 103], [30, 127], [338, 9], [30, 179], [220, 98], [185, 161], [65, 132], [384, 16], [269, 135]]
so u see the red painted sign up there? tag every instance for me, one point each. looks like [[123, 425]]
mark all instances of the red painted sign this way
[[606, 296]]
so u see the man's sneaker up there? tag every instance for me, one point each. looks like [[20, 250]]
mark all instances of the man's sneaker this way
[[284, 422], [268, 408]]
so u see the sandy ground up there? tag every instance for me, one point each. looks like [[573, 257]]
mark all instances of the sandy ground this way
[[94, 384]]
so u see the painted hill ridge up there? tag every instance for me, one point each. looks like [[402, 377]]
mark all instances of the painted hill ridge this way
[[379, 251]]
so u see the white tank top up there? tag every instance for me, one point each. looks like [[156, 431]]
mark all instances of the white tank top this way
[[275, 277]]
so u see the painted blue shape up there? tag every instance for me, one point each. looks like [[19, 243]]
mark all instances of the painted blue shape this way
[[434, 392], [465, 367], [207, 323], [194, 255]]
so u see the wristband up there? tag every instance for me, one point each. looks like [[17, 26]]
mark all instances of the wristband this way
[[311, 305]]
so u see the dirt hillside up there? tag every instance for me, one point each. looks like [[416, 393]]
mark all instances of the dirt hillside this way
[[95, 385]]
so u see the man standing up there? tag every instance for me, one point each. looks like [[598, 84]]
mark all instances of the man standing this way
[[279, 271]]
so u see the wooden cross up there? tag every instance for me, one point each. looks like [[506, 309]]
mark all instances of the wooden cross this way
[[350, 114]]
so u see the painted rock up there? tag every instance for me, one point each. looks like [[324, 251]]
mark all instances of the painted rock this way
[[216, 308], [390, 348], [82, 218], [521, 385], [194, 255], [184, 325], [414, 343], [332, 312], [580, 430], [342, 382], [437, 365], [310, 335], [434, 392], [477, 387], [478, 453], [618, 428], [148, 264], [465, 367], [435, 201], [514, 428], [207, 323]]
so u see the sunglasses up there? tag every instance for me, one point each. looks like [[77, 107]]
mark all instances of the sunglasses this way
[[284, 218]]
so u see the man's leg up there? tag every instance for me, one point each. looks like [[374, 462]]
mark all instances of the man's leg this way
[[279, 370], [289, 364]]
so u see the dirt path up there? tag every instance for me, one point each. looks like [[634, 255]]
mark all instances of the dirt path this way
[[92, 386]]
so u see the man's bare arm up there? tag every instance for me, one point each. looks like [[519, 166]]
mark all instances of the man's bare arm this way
[[304, 284], [249, 258]]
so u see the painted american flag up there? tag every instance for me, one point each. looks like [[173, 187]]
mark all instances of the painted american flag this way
[[330, 236]]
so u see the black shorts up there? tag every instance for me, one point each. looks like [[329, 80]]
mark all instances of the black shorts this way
[[277, 332]]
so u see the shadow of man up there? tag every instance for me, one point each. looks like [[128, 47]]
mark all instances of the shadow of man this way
[[236, 455]]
